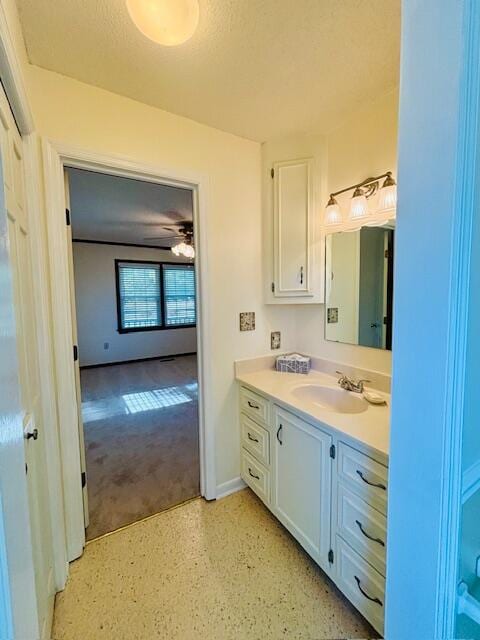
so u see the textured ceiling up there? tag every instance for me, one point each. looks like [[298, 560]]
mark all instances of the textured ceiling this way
[[256, 68], [116, 209]]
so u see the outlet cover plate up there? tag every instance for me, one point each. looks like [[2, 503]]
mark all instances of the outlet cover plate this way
[[275, 340]]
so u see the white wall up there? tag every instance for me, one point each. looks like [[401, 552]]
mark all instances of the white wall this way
[[365, 145], [95, 293], [96, 120]]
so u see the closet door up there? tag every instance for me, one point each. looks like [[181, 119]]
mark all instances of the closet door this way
[[293, 228], [19, 255]]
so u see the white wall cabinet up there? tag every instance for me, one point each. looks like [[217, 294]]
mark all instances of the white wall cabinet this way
[[302, 477], [328, 490], [293, 228]]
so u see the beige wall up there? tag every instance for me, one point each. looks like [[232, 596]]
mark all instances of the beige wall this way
[[78, 114], [366, 144]]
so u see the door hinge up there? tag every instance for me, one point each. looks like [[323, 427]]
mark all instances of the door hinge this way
[[272, 173], [332, 452], [75, 353], [273, 287], [330, 556], [84, 479], [67, 216], [388, 253]]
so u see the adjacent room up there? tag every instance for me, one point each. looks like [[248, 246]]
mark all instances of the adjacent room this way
[[134, 282]]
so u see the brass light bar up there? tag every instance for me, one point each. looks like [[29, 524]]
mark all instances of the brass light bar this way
[[364, 183]]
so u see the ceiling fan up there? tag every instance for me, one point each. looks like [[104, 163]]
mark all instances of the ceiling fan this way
[[184, 231]]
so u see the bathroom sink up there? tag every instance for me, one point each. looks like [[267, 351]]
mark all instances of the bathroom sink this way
[[330, 398]]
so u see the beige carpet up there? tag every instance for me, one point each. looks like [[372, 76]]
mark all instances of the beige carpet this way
[[141, 439], [224, 570]]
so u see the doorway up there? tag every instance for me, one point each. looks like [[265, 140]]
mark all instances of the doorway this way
[[134, 313]]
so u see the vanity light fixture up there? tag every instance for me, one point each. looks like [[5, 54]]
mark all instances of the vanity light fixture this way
[[358, 204], [167, 22], [361, 192], [333, 215], [388, 194]]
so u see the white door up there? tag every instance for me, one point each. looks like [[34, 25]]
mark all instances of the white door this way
[[293, 227], [302, 467], [81, 437], [30, 409]]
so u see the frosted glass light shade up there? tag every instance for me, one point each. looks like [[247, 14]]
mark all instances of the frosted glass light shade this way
[[387, 198], [333, 215], [167, 22], [358, 205], [184, 249], [189, 251], [178, 248]]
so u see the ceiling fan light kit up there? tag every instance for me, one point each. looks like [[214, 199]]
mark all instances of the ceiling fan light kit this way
[[185, 232]]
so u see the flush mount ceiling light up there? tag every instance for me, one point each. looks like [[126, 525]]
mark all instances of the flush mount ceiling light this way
[[359, 202], [167, 22]]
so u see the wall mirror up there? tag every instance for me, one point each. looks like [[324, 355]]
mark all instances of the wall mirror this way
[[359, 286]]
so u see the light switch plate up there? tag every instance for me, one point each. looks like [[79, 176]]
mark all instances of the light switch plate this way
[[247, 321], [275, 340]]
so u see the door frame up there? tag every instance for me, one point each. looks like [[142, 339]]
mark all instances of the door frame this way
[[425, 472], [57, 156]]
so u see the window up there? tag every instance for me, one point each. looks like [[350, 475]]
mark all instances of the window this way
[[154, 295], [179, 293]]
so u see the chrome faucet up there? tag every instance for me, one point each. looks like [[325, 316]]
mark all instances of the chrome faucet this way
[[349, 384]]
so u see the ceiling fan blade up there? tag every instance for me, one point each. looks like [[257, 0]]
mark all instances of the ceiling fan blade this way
[[163, 237]]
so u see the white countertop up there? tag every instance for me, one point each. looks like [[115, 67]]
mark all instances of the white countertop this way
[[370, 427]]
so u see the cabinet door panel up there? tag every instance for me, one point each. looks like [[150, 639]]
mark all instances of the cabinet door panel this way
[[292, 225], [302, 483]]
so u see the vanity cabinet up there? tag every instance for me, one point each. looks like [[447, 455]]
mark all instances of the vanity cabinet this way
[[328, 490], [301, 486]]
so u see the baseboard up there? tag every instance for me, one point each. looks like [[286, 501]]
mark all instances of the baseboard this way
[[112, 364], [226, 488]]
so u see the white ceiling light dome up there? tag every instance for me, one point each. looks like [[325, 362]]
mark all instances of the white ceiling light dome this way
[[167, 22]]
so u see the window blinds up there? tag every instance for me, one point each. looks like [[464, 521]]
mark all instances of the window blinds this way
[[139, 293], [179, 294]]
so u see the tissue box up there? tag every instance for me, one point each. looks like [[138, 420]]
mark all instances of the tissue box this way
[[293, 363]]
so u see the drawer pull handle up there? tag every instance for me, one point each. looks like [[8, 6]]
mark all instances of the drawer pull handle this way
[[252, 474], [364, 593], [379, 540], [379, 485], [250, 437], [279, 431], [253, 405]]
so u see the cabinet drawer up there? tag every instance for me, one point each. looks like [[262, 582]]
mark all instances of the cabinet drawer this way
[[362, 585], [253, 404], [255, 439], [256, 476], [364, 475], [362, 526]]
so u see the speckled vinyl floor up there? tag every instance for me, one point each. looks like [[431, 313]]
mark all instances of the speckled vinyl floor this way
[[224, 570]]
